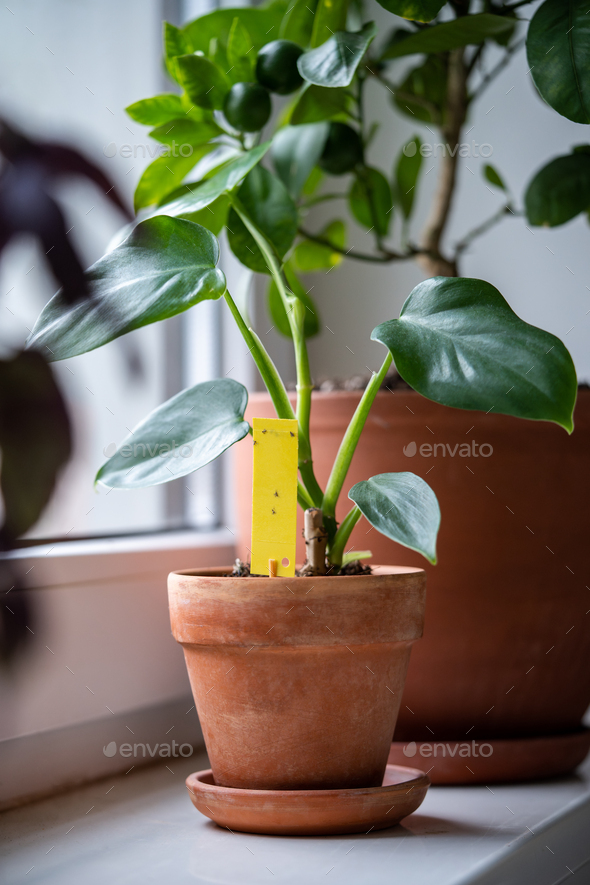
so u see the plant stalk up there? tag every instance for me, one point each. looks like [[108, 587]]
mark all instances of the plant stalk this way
[[336, 549]]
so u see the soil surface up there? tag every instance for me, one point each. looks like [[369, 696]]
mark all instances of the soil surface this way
[[356, 567]]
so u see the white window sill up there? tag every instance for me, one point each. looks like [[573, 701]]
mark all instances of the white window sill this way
[[142, 827]]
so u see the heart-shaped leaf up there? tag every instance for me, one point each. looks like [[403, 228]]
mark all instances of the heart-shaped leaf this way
[[334, 63], [459, 343], [558, 47], [415, 10], [295, 151], [463, 31], [163, 267], [185, 433], [226, 179], [268, 204], [204, 83], [402, 507], [559, 191]]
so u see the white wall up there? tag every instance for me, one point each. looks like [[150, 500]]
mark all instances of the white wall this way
[[549, 290]]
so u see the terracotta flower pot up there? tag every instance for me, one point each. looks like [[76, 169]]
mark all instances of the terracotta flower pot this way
[[298, 686], [507, 638]]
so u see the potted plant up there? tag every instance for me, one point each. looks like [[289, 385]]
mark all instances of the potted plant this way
[[457, 342]]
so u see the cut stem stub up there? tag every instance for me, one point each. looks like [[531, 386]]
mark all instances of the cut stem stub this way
[[316, 538]]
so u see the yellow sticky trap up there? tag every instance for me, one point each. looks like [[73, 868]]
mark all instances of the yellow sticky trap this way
[[274, 495]]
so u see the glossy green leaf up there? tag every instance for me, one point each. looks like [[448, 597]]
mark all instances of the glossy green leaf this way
[[330, 16], [558, 48], [464, 31], [213, 217], [318, 103], [297, 25], [241, 55], [262, 24], [402, 507], [222, 182], [559, 191], [163, 176], [295, 151], [176, 43], [406, 174], [180, 134], [459, 343], [185, 433], [309, 256], [270, 207], [416, 10], [205, 84], [423, 93], [494, 177], [370, 200], [163, 267], [157, 110], [35, 440], [276, 308], [334, 63]]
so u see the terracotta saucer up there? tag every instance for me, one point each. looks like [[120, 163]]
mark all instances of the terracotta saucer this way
[[310, 812], [497, 760]]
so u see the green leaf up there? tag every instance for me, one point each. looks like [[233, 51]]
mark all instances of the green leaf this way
[[163, 267], [310, 256], [370, 200], [163, 176], [494, 177], [318, 103], [402, 507], [204, 83], [176, 43], [185, 433], [240, 53], [269, 205], [356, 554], [262, 25], [213, 217], [559, 191], [223, 181], [295, 151], [406, 174], [35, 440], [458, 342], [464, 31], [334, 63], [157, 110], [558, 48], [180, 132], [423, 93], [330, 16], [297, 24], [276, 308], [416, 10]]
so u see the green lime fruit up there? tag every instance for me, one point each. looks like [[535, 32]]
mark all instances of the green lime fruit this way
[[276, 66], [342, 151], [247, 107]]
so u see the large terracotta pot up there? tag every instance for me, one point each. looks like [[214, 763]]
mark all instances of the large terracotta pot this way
[[506, 648], [298, 686]]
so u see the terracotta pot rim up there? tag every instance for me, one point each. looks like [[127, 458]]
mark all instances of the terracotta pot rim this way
[[222, 573]]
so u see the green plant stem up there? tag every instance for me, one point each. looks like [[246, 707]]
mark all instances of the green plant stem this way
[[336, 549], [350, 440], [386, 256], [303, 497], [295, 313], [265, 365]]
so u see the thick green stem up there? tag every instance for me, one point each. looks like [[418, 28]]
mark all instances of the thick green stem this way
[[350, 440], [336, 549], [266, 367], [295, 313]]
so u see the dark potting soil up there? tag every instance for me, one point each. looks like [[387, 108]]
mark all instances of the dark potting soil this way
[[356, 567]]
